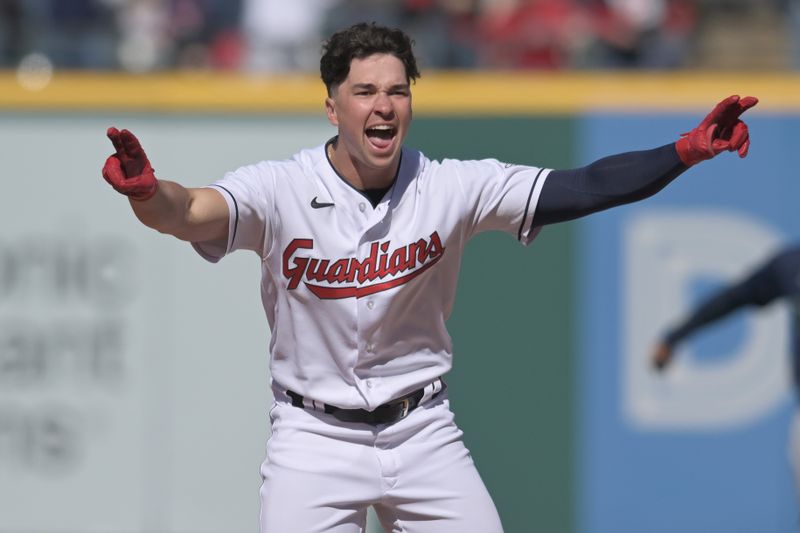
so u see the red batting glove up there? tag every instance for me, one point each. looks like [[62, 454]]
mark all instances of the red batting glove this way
[[720, 131], [128, 170]]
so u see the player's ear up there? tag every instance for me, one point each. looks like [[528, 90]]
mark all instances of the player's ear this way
[[330, 110]]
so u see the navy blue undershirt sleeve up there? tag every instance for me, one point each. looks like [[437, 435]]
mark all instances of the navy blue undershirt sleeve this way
[[608, 182], [758, 289], [778, 278]]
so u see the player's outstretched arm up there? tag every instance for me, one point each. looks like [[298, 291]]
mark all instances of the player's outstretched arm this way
[[760, 287], [632, 176], [196, 215]]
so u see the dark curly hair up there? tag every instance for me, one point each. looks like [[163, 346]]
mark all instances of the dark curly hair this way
[[363, 40]]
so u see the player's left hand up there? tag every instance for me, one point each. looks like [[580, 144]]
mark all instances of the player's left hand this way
[[129, 170], [720, 131], [662, 355]]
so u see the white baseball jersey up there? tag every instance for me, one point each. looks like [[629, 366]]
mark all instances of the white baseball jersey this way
[[357, 296]]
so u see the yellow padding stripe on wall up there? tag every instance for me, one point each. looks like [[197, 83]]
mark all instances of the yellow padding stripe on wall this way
[[447, 93]]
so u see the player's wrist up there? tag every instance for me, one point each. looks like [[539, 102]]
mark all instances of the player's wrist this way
[[144, 194], [681, 146], [691, 151], [671, 338]]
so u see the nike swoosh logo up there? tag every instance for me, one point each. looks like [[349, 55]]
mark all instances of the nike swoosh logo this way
[[319, 205]]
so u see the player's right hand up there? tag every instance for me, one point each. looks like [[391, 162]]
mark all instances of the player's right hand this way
[[662, 355], [720, 131], [128, 170]]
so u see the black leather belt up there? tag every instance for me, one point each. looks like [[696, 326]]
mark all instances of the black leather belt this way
[[387, 413]]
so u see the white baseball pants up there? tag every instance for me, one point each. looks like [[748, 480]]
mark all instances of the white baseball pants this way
[[320, 475]]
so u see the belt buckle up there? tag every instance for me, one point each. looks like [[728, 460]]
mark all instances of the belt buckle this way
[[405, 404]]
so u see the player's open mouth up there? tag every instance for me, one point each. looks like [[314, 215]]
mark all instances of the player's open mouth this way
[[382, 135]]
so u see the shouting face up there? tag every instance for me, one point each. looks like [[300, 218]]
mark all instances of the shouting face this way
[[372, 110]]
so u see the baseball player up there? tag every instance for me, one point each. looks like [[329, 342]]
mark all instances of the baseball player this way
[[360, 240], [778, 278]]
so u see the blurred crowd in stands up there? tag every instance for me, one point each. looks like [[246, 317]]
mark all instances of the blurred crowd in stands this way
[[285, 35]]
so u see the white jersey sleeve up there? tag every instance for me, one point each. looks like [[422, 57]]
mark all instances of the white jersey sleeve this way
[[504, 196], [247, 191]]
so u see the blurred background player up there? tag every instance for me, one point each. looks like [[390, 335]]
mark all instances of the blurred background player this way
[[776, 279]]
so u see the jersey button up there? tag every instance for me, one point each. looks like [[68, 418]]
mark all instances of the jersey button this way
[[369, 383], [362, 206], [370, 304]]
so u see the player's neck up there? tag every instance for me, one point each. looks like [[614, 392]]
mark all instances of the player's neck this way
[[357, 174]]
